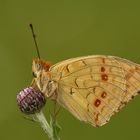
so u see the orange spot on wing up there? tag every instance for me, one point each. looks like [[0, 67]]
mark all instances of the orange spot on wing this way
[[97, 102], [102, 69], [104, 94], [104, 77]]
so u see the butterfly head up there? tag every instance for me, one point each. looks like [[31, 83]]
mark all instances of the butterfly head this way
[[38, 66], [42, 77]]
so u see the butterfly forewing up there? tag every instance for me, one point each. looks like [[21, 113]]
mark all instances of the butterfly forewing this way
[[93, 88]]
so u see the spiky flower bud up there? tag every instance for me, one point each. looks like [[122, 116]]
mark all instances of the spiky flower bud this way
[[30, 100]]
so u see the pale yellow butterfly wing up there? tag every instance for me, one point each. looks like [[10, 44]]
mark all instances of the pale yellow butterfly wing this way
[[93, 88]]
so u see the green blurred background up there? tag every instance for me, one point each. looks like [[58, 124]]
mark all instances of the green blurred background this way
[[65, 29]]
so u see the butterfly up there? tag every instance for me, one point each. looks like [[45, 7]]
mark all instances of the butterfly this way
[[92, 88]]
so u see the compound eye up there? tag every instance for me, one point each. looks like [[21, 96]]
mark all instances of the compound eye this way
[[38, 66]]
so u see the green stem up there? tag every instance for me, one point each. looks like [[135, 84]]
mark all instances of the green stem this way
[[45, 125]]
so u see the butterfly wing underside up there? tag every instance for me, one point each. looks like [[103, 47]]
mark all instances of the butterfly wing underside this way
[[93, 88]]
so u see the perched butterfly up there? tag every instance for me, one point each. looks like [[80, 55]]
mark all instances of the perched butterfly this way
[[92, 88]]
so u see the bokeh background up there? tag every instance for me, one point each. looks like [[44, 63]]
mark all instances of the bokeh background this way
[[65, 29]]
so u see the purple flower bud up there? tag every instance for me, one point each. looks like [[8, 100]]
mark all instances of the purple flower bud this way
[[30, 100]]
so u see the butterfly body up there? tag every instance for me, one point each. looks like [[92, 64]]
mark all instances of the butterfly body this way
[[92, 88]]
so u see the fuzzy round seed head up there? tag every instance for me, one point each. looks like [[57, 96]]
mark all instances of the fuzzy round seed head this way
[[30, 100]]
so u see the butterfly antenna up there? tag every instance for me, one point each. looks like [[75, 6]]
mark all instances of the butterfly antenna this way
[[34, 37]]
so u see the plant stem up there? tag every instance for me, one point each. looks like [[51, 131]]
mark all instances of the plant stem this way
[[45, 125]]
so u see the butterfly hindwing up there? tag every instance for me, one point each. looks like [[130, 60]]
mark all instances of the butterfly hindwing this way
[[93, 88], [132, 76]]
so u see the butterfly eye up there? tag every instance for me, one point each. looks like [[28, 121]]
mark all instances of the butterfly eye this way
[[38, 66]]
